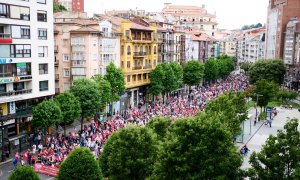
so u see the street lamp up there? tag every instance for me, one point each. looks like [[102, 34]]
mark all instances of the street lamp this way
[[2, 126]]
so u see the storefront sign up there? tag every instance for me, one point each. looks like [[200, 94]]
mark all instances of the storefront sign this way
[[4, 61], [12, 108], [6, 80]]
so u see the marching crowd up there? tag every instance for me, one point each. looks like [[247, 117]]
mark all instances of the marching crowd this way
[[56, 148]]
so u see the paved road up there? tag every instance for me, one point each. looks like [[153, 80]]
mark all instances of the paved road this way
[[258, 139]]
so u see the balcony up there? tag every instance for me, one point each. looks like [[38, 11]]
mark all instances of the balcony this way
[[56, 62], [77, 58], [15, 93], [57, 91], [56, 48], [78, 64], [135, 54], [5, 38], [56, 77], [137, 68], [24, 112], [148, 67]]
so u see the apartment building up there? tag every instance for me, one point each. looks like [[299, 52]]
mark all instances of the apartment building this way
[[251, 45], [193, 17], [197, 46], [26, 62], [279, 14], [139, 55], [292, 53]]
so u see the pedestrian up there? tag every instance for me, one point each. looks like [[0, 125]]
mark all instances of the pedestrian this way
[[255, 122]]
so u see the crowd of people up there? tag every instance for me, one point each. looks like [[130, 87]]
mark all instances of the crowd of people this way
[[56, 148]]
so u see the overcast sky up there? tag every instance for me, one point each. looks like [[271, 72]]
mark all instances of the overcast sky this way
[[231, 14]]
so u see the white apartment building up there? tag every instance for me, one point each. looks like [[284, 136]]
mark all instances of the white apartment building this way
[[251, 46], [26, 60]]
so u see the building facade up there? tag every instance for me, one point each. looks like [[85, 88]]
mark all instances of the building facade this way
[[279, 14], [292, 53], [196, 47], [72, 5], [26, 62]]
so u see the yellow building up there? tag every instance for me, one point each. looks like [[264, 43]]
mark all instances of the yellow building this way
[[138, 57]]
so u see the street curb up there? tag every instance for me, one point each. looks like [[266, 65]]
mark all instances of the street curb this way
[[5, 162]]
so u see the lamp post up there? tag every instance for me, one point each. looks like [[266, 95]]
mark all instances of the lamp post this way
[[2, 128]]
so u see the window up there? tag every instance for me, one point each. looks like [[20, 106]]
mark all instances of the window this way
[[66, 86], [15, 51], [19, 86], [77, 41], [122, 50], [43, 51], [2, 88], [154, 49], [145, 76], [4, 10], [128, 78], [18, 12], [43, 69], [25, 32], [128, 50], [78, 71], [42, 16], [41, 1], [20, 32], [66, 72], [122, 64], [42, 34], [65, 57], [43, 85], [22, 50], [128, 64]]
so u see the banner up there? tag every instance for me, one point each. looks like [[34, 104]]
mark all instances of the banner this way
[[48, 170]]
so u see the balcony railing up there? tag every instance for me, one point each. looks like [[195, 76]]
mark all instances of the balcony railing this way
[[24, 112], [139, 54], [77, 58], [16, 93], [56, 62], [5, 36], [148, 67], [56, 76], [137, 68]]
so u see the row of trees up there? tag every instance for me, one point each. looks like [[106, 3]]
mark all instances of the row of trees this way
[[85, 98], [168, 77], [199, 148]]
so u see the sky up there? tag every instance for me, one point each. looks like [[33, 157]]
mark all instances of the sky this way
[[231, 14]]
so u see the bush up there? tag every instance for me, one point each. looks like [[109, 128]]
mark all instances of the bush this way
[[22, 173], [80, 164]]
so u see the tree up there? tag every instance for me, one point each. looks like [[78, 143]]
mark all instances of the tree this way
[[115, 77], [58, 7], [230, 109], [70, 108], [23, 172], [46, 114], [279, 157], [271, 70], [156, 83], [266, 90], [189, 152], [170, 82], [193, 73], [160, 126], [129, 153], [211, 70], [80, 164], [245, 66], [177, 69], [87, 93], [105, 90]]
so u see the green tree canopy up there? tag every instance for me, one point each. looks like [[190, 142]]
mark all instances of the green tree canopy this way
[[70, 108], [80, 164], [58, 7], [211, 70], [105, 90], [225, 65], [23, 172], [200, 148], [193, 73], [170, 81], [280, 156], [178, 72], [87, 93], [129, 153], [160, 126], [245, 66], [116, 79], [231, 110], [156, 80], [46, 114], [246, 27], [265, 90], [271, 70]]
